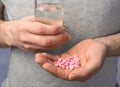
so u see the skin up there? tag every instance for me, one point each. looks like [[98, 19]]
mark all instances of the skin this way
[[27, 34], [92, 53], [31, 35]]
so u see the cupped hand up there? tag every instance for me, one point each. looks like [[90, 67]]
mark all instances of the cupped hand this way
[[29, 34], [91, 53]]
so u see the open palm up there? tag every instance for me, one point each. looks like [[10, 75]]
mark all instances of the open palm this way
[[91, 53]]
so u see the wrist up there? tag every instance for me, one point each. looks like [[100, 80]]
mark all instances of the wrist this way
[[6, 33], [108, 42]]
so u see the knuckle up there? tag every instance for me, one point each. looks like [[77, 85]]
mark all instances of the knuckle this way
[[41, 29], [22, 38], [21, 26], [57, 29]]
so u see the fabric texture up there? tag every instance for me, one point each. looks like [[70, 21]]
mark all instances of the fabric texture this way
[[118, 72], [83, 19]]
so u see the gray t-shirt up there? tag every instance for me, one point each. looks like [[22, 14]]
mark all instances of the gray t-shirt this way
[[83, 19]]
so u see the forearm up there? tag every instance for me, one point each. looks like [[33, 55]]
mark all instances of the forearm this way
[[113, 44]]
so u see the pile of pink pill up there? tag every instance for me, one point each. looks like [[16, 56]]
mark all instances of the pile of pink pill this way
[[70, 62]]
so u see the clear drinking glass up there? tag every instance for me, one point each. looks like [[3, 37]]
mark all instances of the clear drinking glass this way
[[49, 11]]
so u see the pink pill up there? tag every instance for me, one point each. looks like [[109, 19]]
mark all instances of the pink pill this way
[[67, 67], [77, 66], [63, 66], [71, 67], [70, 62]]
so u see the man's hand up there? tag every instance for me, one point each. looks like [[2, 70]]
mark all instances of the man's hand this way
[[92, 55], [28, 34]]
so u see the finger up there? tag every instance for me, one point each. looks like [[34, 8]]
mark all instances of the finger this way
[[53, 70], [40, 59], [44, 60], [32, 47], [45, 63], [45, 41], [60, 43], [43, 29], [86, 71], [79, 75], [56, 71], [48, 56]]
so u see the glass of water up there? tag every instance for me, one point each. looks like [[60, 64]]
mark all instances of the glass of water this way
[[49, 11]]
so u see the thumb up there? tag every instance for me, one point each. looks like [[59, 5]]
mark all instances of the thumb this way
[[86, 71]]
